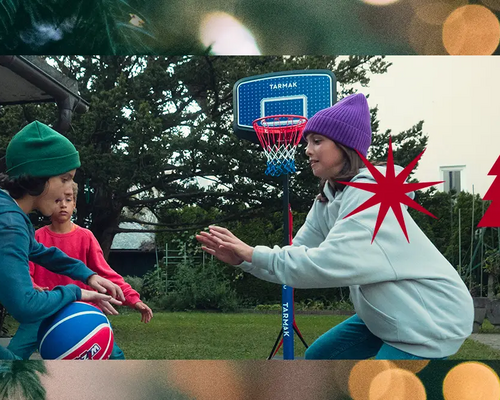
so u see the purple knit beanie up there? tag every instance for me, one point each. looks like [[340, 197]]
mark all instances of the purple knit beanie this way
[[346, 122]]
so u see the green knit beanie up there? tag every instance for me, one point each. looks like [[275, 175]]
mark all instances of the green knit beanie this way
[[40, 151]]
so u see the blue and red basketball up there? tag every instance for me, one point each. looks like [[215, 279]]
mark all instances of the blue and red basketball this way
[[78, 331]]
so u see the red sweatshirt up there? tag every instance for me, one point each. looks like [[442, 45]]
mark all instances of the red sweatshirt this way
[[81, 244]]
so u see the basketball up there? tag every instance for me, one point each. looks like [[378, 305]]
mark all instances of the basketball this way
[[78, 331]]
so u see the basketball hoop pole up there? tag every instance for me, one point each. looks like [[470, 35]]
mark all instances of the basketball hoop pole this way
[[259, 111], [287, 291], [279, 136], [287, 307]]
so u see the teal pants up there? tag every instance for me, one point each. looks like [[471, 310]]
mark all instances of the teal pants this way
[[24, 343], [352, 340]]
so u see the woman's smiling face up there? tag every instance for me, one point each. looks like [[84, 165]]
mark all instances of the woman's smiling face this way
[[325, 157]]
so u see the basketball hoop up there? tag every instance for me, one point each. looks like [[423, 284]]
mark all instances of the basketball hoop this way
[[303, 93], [279, 136]]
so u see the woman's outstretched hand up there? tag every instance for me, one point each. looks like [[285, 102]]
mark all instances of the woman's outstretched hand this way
[[221, 243]]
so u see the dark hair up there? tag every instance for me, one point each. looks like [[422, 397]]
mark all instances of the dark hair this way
[[352, 164], [23, 185]]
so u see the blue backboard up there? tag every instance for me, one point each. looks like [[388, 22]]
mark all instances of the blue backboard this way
[[290, 92]]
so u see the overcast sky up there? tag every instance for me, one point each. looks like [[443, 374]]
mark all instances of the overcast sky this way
[[457, 97]]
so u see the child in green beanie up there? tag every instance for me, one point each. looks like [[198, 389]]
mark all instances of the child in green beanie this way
[[41, 164]]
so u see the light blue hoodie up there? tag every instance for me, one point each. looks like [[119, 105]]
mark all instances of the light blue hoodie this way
[[407, 294]]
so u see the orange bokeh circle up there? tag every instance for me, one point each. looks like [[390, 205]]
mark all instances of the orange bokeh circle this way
[[396, 384], [471, 381], [471, 30]]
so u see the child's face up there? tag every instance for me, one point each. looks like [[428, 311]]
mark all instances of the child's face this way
[[55, 189], [325, 158], [65, 207]]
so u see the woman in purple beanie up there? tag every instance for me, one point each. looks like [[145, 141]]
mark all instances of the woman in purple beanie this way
[[410, 301]]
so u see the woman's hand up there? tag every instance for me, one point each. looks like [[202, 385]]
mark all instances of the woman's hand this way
[[221, 243]]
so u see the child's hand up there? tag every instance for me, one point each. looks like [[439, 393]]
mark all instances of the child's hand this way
[[221, 243], [99, 298], [106, 307], [103, 285], [40, 288], [146, 312]]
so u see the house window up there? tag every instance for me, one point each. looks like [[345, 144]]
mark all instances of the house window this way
[[453, 178]]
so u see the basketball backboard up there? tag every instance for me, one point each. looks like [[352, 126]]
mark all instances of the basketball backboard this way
[[301, 93]]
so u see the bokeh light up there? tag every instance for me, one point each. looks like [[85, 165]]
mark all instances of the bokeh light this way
[[206, 380], [494, 4], [362, 375], [226, 35], [380, 2], [471, 30], [451, 3], [471, 381], [307, 379], [414, 366], [437, 4], [434, 13], [425, 38], [396, 384]]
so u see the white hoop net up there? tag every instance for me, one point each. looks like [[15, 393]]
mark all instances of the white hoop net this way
[[279, 136]]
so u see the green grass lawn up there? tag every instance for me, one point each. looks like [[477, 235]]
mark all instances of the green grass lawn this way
[[214, 336], [232, 336], [211, 335]]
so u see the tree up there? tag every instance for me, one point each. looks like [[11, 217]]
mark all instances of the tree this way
[[442, 205], [107, 27], [451, 232], [21, 380], [491, 217], [158, 124], [492, 267]]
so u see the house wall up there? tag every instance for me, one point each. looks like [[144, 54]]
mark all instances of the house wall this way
[[131, 263]]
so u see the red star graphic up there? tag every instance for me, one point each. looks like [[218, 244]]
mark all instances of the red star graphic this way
[[390, 191]]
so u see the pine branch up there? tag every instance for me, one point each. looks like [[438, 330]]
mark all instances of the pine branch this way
[[242, 215], [134, 203], [162, 179]]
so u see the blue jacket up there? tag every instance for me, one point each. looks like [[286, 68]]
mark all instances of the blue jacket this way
[[407, 294], [17, 247]]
